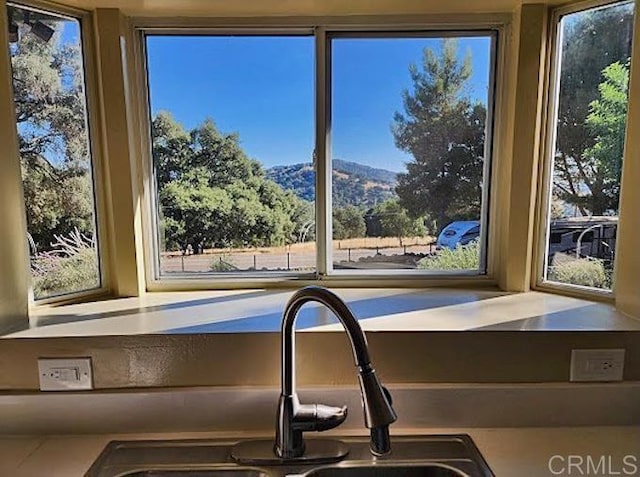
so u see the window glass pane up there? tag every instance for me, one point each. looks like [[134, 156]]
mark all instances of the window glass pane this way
[[233, 132], [51, 114], [409, 122], [591, 109]]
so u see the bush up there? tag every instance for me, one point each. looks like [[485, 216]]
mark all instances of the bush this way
[[587, 272], [58, 274], [70, 266], [463, 257], [222, 264]]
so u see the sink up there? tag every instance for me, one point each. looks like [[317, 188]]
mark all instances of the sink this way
[[197, 473], [409, 470], [332, 471], [411, 456]]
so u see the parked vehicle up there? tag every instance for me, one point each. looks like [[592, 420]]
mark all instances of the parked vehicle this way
[[578, 236], [583, 237], [457, 233]]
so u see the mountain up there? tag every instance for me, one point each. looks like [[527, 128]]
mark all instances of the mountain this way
[[367, 172], [353, 183]]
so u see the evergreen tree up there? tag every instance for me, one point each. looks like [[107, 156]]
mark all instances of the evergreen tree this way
[[444, 132]]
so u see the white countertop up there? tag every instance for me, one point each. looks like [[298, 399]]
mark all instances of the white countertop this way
[[389, 309], [510, 452]]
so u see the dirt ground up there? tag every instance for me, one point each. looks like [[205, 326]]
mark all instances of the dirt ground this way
[[365, 252]]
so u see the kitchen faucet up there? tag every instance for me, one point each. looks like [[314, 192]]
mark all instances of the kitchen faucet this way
[[294, 418]]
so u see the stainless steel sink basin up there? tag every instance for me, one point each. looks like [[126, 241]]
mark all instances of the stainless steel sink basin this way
[[407, 470], [198, 473], [425, 456]]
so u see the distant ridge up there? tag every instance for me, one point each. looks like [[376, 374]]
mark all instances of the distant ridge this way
[[353, 183], [368, 172]]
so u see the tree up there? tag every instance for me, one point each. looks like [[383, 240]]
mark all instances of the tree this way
[[171, 146], [54, 151], [348, 222], [396, 222], [211, 194], [444, 132], [194, 213], [591, 41], [602, 162]]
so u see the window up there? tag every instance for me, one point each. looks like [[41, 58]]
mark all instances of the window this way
[[55, 151], [232, 145], [233, 125], [589, 107], [410, 116]]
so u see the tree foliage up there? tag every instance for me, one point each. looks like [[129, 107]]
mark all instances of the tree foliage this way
[[602, 162], [54, 152], [395, 221], [591, 41], [348, 222], [211, 194], [444, 132]]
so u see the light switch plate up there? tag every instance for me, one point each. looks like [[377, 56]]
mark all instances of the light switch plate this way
[[72, 374], [597, 364]]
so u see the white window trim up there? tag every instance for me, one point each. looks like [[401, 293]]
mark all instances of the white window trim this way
[[494, 25], [552, 77]]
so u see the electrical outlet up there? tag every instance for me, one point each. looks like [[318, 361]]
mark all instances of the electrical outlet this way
[[597, 364], [65, 374]]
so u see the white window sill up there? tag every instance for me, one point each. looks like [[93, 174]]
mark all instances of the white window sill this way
[[378, 310]]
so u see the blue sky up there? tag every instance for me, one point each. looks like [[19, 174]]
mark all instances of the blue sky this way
[[263, 88]]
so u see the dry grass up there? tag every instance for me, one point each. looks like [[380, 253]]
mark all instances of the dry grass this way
[[359, 243]]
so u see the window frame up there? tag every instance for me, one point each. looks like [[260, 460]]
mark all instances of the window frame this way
[[547, 153], [93, 128], [323, 29], [489, 149]]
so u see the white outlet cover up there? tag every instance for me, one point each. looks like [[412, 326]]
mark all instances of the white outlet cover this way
[[72, 374], [597, 365]]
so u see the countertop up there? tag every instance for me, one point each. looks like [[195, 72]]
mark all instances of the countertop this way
[[389, 309], [510, 452]]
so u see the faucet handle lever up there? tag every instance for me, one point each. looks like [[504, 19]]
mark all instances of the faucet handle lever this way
[[328, 417], [319, 417]]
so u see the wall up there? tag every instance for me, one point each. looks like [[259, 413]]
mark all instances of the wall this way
[[302, 7], [324, 358]]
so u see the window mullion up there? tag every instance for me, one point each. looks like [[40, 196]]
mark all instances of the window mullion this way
[[322, 155]]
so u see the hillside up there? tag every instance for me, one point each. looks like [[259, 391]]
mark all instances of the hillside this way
[[353, 183]]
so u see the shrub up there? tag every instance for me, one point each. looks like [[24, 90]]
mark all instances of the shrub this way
[[58, 274], [463, 257], [222, 264], [71, 266], [588, 272]]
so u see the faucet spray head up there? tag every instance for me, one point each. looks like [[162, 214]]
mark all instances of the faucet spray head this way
[[378, 411]]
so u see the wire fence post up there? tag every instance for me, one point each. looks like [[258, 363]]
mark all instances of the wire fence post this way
[[349, 254], [255, 267], [288, 260], [182, 260]]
